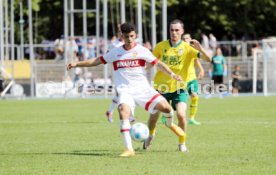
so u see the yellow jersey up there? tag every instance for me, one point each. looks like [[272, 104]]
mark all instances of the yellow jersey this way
[[180, 59], [192, 72]]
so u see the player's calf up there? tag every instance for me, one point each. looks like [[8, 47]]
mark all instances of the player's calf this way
[[109, 116], [169, 123]]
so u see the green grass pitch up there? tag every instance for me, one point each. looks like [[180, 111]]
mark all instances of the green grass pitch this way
[[73, 137]]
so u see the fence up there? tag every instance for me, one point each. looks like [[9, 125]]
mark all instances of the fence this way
[[257, 60]]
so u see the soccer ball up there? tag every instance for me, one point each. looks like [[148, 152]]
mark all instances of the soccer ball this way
[[139, 132]]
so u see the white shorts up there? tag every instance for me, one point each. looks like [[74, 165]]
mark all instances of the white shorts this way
[[147, 99]]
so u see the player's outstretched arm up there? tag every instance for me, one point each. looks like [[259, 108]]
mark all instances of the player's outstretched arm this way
[[87, 63], [204, 54], [164, 68]]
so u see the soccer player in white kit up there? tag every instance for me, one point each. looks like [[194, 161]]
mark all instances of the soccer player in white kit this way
[[114, 103], [131, 83]]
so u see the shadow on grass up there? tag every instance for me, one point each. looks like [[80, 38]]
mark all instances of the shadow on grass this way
[[106, 154], [97, 153], [94, 153]]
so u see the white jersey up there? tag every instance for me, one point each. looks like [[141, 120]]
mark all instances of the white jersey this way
[[129, 67]]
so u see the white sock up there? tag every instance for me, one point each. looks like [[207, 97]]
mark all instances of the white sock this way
[[169, 118], [125, 127], [113, 104]]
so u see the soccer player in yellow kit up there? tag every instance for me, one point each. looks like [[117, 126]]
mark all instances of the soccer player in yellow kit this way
[[178, 56], [192, 86]]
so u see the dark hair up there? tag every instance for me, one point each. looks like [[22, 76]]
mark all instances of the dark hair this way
[[127, 28], [177, 21]]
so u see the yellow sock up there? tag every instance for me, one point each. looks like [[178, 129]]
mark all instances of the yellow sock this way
[[182, 139], [152, 132], [193, 107], [177, 130]]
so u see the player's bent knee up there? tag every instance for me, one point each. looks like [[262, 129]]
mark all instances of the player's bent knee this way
[[166, 108], [163, 106]]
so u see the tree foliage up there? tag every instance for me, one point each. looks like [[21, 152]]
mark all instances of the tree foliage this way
[[249, 18], [243, 18]]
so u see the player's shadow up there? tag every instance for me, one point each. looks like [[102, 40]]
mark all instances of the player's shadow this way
[[84, 154], [104, 153], [95, 153]]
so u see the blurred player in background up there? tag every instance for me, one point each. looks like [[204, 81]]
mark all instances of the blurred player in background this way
[[119, 40], [178, 56], [131, 83], [192, 86]]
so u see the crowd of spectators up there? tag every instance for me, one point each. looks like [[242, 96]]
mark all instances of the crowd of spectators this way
[[77, 47]]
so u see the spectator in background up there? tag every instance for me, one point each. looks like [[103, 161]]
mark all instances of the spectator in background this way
[[80, 46], [71, 49], [59, 49], [218, 69], [59, 54], [235, 82], [89, 50]]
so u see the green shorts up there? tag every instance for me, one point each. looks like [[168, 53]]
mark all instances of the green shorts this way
[[192, 87], [176, 97]]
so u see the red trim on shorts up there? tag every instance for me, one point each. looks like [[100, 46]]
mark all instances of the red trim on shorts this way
[[128, 63], [150, 101], [125, 130], [102, 59], [154, 62]]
